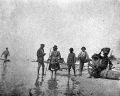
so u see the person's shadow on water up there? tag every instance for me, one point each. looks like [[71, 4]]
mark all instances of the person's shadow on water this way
[[37, 91], [39, 83], [68, 85], [70, 88], [52, 87], [4, 72]]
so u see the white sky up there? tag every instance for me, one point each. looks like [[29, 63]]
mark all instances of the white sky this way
[[25, 24]]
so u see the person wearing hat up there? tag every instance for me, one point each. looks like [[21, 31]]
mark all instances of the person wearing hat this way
[[105, 59], [71, 60], [54, 58], [83, 57], [40, 58], [104, 62]]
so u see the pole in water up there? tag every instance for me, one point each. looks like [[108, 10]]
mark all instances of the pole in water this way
[[48, 61]]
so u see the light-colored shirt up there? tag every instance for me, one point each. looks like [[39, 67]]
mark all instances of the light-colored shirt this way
[[83, 55], [55, 56]]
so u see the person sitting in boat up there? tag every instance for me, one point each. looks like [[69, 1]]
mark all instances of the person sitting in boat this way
[[105, 59], [54, 60], [101, 65]]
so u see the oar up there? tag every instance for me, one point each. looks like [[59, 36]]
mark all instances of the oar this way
[[37, 61], [5, 60]]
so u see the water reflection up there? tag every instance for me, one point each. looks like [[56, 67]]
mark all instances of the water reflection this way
[[3, 85], [52, 86], [39, 83], [45, 88], [38, 90], [49, 85], [69, 90]]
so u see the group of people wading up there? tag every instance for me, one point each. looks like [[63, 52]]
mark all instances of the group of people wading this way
[[55, 58]]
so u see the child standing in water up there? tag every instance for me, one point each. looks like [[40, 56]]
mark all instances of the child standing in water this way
[[6, 53], [71, 60]]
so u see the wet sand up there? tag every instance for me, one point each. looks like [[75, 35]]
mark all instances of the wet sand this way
[[20, 79], [97, 86]]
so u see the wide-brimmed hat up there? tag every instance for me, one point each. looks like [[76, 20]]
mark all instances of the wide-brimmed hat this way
[[71, 49], [106, 50], [55, 46], [83, 48]]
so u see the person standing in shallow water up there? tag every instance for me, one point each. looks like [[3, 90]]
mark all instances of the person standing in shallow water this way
[[54, 60], [40, 58], [6, 53], [71, 61], [83, 57]]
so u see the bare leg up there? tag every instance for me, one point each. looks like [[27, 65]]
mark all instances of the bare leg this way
[[38, 70], [81, 67], [39, 65], [52, 73], [69, 67], [55, 72], [74, 70], [43, 69], [69, 70], [89, 70]]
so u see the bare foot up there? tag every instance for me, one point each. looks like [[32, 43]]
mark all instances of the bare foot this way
[[80, 74]]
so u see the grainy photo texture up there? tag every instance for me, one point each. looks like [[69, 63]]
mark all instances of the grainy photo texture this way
[[59, 47]]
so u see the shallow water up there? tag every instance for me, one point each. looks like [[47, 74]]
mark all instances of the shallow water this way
[[54, 86], [20, 79]]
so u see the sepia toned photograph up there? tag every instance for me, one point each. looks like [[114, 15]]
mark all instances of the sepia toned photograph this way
[[59, 47]]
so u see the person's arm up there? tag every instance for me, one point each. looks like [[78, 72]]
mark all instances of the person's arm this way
[[79, 55], [2, 53], [40, 53], [74, 58], [8, 53], [67, 59], [59, 55], [110, 65], [87, 56], [100, 55], [51, 55]]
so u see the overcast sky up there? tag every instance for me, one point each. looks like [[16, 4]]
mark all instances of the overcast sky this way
[[25, 24]]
